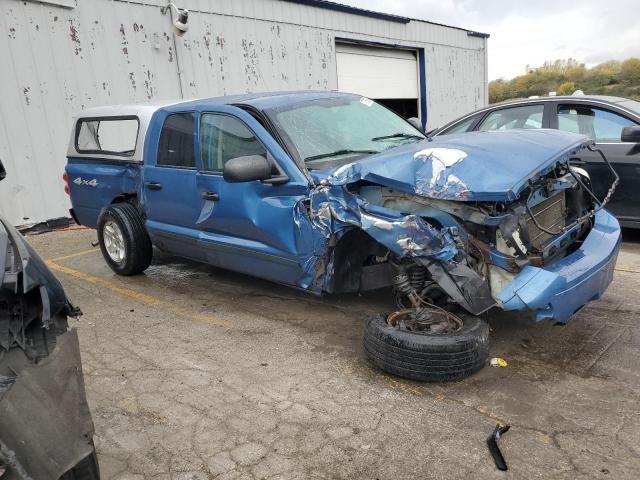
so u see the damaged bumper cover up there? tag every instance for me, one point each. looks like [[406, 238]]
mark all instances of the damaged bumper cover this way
[[560, 290]]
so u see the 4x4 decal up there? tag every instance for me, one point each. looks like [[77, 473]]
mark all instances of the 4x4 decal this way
[[90, 183]]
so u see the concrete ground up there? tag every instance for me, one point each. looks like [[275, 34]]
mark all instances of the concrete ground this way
[[197, 373]]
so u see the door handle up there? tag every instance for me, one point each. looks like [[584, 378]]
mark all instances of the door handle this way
[[577, 161], [214, 197], [153, 185]]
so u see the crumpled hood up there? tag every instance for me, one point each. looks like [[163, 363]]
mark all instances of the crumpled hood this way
[[475, 166]]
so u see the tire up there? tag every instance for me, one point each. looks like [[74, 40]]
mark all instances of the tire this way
[[428, 357], [133, 251]]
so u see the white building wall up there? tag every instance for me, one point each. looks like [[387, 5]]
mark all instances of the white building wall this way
[[56, 61]]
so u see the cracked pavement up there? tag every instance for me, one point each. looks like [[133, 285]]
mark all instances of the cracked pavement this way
[[197, 373]]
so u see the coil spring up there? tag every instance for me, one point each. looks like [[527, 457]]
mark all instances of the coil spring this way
[[417, 277], [402, 284]]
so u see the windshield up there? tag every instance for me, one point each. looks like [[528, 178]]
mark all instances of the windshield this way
[[330, 131]]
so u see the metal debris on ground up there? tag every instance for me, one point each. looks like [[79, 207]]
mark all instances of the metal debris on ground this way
[[498, 362], [492, 442]]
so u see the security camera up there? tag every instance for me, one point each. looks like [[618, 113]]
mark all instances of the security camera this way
[[182, 17]]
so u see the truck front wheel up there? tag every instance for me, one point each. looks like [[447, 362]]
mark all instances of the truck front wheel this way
[[124, 241], [426, 354]]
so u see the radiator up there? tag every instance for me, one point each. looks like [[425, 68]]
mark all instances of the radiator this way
[[551, 215]]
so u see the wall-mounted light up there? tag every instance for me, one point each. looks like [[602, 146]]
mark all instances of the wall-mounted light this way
[[181, 19]]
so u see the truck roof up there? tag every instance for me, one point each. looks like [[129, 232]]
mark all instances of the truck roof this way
[[144, 111], [259, 100]]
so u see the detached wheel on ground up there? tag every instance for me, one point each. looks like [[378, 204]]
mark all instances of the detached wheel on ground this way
[[123, 239], [432, 354]]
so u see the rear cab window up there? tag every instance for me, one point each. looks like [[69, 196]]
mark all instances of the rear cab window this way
[[176, 147], [107, 135]]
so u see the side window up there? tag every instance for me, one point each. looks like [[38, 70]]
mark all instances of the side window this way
[[223, 137], [175, 148], [600, 124], [460, 127], [527, 116], [107, 135]]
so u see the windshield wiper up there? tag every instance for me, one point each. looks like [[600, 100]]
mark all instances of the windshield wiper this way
[[397, 135], [338, 152]]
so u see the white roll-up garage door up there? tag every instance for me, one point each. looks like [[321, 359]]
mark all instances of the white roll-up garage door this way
[[379, 73]]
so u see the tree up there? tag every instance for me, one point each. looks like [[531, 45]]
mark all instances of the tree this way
[[567, 88], [576, 74], [497, 91], [567, 76], [603, 74], [630, 71]]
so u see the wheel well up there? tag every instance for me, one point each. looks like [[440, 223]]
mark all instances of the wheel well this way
[[125, 197], [354, 253]]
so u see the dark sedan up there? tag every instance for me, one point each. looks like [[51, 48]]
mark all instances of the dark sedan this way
[[613, 122]]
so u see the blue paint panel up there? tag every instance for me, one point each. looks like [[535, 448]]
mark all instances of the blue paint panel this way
[[95, 184], [490, 166], [562, 289]]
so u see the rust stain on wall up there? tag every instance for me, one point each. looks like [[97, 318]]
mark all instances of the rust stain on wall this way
[[133, 80], [250, 55], [125, 43], [148, 86], [73, 34], [26, 91]]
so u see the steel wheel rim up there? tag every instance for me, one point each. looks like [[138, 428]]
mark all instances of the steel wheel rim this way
[[396, 320], [113, 241]]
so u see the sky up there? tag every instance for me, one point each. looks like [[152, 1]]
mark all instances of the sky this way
[[529, 32]]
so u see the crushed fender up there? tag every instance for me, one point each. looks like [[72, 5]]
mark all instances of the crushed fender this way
[[333, 211]]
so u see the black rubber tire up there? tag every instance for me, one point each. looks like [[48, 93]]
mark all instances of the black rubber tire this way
[[138, 248], [427, 358]]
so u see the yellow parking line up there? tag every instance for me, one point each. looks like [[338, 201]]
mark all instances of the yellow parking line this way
[[139, 296], [77, 254], [628, 270]]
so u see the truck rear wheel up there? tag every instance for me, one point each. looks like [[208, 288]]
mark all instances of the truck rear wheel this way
[[124, 241], [425, 356]]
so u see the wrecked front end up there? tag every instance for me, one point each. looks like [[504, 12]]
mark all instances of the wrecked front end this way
[[46, 429], [476, 220]]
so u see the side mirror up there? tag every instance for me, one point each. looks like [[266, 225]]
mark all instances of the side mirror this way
[[630, 134], [246, 169], [416, 123], [3, 172]]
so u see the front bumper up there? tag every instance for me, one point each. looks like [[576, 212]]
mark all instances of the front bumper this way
[[560, 290]]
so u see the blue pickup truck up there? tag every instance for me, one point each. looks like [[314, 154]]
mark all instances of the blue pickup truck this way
[[332, 192]]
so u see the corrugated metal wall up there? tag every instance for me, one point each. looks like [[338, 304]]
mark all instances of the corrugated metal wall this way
[[56, 61]]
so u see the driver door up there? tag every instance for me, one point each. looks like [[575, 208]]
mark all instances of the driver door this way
[[247, 227]]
